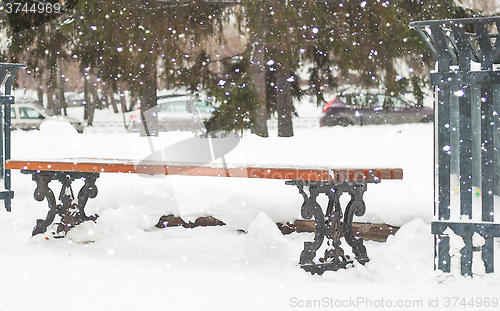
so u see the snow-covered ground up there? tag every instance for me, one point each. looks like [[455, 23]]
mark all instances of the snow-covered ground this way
[[122, 262]]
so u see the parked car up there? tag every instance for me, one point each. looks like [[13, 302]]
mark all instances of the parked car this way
[[26, 99], [26, 116], [74, 99], [362, 109], [182, 112]]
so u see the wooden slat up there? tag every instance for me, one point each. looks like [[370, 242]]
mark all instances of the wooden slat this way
[[161, 168], [367, 231]]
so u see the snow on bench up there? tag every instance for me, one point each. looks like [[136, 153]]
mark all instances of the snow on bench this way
[[331, 224]]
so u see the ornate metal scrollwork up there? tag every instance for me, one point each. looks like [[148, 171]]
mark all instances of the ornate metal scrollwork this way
[[333, 224], [355, 207], [71, 213], [334, 229], [310, 208]]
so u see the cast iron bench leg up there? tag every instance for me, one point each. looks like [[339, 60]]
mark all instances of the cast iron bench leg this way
[[356, 207], [42, 192], [71, 213], [332, 225]]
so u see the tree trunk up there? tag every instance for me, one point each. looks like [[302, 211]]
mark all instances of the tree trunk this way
[[86, 97], [60, 91], [123, 100], [123, 106], [149, 114], [51, 104], [92, 104], [133, 99], [284, 105], [258, 69], [96, 99], [40, 94], [111, 100]]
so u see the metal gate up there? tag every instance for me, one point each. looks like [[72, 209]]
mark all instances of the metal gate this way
[[466, 81]]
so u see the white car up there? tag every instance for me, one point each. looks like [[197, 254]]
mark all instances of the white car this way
[[74, 99], [176, 113], [27, 116]]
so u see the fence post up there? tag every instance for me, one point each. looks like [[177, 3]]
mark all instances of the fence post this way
[[7, 74], [466, 81]]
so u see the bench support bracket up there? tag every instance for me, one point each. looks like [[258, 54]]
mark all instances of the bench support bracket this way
[[71, 210], [333, 224]]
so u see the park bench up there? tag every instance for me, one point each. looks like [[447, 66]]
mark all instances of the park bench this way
[[331, 224]]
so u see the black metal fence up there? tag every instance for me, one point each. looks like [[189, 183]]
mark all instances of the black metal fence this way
[[7, 74], [466, 80]]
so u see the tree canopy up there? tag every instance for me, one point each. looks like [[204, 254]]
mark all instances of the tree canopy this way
[[133, 45]]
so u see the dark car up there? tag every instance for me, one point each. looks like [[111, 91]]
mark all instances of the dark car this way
[[363, 109]]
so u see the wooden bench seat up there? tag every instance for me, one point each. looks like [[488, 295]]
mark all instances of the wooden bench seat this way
[[331, 223], [93, 165]]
